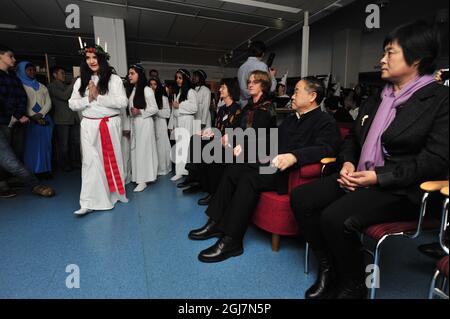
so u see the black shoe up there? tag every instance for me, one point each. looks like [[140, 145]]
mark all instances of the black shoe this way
[[433, 250], [223, 249], [208, 231], [353, 289], [205, 200], [193, 189], [186, 183], [325, 283], [7, 193]]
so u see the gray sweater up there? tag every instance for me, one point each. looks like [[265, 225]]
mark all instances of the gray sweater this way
[[60, 94]]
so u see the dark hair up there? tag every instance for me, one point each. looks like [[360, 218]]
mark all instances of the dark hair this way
[[139, 97], [233, 88], [104, 74], [201, 76], [153, 71], [159, 92], [187, 85], [4, 49], [420, 42], [332, 103], [55, 69], [257, 49], [313, 84]]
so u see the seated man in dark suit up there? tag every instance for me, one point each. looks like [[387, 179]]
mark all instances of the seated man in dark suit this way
[[305, 137]]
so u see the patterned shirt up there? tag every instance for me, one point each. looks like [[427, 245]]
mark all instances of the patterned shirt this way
[[13, 99]]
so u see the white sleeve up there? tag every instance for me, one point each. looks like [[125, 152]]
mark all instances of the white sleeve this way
[[189, 106], [151, 108], [76, 101], [47, 101], [116, 97], [205, 108], [126, 120], [165, 111], [172, 121]]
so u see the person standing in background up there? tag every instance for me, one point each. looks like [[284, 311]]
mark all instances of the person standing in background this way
[[254, 62], [67, 124], [38, 139], [203, 99]]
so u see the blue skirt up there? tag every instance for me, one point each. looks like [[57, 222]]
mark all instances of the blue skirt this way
[[38, 146]]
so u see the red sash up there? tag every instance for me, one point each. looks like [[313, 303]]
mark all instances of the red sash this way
[[109, 158]]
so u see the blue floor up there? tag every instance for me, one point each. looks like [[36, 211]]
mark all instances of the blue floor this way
[[141, 250]]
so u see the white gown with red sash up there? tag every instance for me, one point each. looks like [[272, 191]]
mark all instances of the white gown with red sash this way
[[102, 180]]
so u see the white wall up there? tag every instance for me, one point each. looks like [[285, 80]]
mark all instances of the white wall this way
[[288, 50]]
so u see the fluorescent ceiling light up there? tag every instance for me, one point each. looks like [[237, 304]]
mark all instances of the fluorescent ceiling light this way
[[7, 26], [265, 5]]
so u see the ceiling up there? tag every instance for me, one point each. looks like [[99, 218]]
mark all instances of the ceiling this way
[[179, 31]]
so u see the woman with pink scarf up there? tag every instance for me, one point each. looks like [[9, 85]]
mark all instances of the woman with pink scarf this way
[[399, 140]]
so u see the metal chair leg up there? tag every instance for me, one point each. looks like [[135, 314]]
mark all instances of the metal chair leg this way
[[433, 285], [307, 258], [376, 262]]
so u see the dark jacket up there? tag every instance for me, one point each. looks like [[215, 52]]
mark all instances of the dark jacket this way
[[13, 99], [417, 141], [310, 138], [60, 94]]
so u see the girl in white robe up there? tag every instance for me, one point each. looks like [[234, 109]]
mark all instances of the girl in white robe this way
[[126, 145], [162, 137], [100, 96], [203, 115], [184, 108], [142, 106]]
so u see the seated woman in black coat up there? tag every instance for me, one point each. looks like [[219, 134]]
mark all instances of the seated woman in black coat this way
[[228, 117], [400, 139]]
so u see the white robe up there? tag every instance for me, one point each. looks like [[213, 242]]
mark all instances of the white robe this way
[[144, 154], [162, 138], [183, 117], [126, 146], [95, 193], [203, 114]]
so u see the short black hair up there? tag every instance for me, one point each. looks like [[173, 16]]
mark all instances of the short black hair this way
[[257, 49], [4, 48], [315, 85], [232, 85], [55, 69], [332, 103], [419, 42], [153, 71]]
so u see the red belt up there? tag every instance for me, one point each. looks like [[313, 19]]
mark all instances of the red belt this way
[[109, 158]]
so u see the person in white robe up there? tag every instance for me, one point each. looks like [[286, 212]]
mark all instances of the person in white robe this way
[[126, 145], [100, 96], [203, 115], [162, 137], [142, 107], [184, 108]]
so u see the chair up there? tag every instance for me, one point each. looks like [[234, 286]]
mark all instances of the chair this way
[[409, 229], [273, 212], [442, 265]]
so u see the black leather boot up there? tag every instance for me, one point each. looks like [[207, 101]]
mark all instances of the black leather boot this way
[[209, 230], [325, 283], [352, 289]]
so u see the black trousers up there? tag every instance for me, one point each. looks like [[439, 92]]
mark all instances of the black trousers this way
[[210, 176], [236, 198], [68, 139], [332, 219]]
